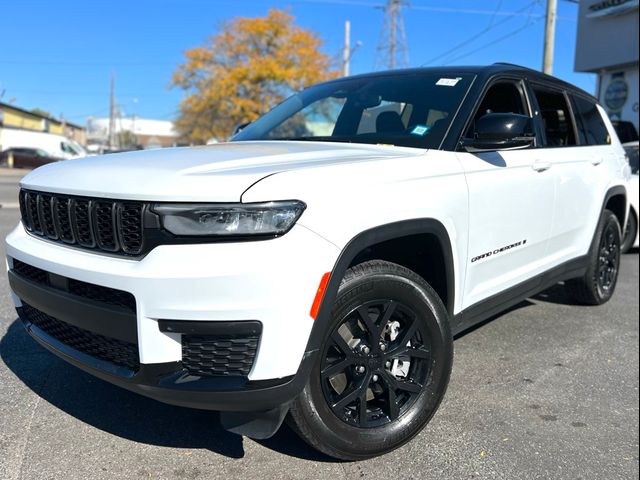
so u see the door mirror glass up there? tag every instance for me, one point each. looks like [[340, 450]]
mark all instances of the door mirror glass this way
[[500, 131]]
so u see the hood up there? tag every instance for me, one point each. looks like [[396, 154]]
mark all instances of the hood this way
[[215, 173]]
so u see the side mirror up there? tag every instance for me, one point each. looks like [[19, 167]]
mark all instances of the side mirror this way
[[239, 127], [500, 131]]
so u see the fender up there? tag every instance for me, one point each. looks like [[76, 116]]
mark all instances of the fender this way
[[367, 239], [612, 192]]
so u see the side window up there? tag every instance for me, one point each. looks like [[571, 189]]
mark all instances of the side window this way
[[591, 127], [556, 117], [64, 146], [502, 97]]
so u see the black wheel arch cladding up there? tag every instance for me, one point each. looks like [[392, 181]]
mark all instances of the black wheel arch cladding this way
[[367, 239]]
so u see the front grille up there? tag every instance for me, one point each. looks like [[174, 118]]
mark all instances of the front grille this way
[[97, 293], [117, 352], [104, 225], [214, 355]]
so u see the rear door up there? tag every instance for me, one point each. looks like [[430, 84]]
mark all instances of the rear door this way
[[511, 201], [576, 167]]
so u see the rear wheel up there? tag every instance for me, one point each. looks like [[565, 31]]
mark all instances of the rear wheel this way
[[599, 282], [383, 368]]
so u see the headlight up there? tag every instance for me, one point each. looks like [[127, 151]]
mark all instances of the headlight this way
[[233, 219]]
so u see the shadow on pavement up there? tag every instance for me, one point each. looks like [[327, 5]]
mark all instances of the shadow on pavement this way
[[518, 306], [123, 413], [556, 294], [140, 419]]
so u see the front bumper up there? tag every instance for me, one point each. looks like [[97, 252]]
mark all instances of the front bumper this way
[[170, 383], [273, 282]]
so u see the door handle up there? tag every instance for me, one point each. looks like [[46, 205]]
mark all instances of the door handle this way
[[596, 160], [540, 166]]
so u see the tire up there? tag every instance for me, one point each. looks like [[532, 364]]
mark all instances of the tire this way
[[599, 282], [630, 232], [379, 400]]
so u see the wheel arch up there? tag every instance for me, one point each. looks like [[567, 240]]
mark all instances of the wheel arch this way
[[616, 201], [368, 239]]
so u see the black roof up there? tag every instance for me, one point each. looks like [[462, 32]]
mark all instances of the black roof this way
[[485, 72]]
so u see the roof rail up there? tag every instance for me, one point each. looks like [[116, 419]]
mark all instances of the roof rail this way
[[513, 65]]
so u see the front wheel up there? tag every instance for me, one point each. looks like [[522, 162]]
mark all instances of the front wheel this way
[[383, 367]]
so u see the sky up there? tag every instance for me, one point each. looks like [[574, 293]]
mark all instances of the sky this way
[[59, 56]]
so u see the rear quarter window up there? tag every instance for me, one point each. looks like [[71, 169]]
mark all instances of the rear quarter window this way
[[591, 127]]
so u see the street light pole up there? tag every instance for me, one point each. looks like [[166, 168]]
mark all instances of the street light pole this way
[[346, 51], [549, 36]]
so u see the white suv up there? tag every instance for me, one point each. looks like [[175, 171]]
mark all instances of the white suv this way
[[321, 262]]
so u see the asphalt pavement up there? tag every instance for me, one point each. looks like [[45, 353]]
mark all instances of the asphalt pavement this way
[[547, 390], [9, 179]]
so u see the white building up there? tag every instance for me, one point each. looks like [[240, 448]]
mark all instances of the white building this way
[[148, 133], [607, 45]]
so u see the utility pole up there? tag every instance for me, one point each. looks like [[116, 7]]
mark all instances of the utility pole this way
[[393, 9], [112, 115], [549, 36], [346, 51], [392, 47]]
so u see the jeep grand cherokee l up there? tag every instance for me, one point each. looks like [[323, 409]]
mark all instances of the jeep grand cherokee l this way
[[319, 264]]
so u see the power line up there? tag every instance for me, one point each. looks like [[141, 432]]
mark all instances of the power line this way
[[487, 29], [79, 63], [482, 32], [75, 93], [531, 22], [467, 11]]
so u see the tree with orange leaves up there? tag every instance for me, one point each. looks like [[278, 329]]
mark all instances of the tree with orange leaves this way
[[246, 69]]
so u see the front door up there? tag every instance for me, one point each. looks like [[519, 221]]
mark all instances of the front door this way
[[511, 202]]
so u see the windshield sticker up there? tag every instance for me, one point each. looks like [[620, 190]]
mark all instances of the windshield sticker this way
[[449, 82], [420, 130]]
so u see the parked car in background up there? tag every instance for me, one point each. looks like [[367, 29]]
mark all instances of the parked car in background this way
[[56, 146], [631, 231], [26, 158], [626, 131]]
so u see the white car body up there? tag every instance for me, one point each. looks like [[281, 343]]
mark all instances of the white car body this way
[[514, 221], [55, 145]]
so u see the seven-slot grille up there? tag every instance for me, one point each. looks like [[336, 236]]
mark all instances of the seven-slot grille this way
[[108, 225]]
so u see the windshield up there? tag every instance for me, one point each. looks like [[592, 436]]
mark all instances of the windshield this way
[[412, 109], [72, 148]]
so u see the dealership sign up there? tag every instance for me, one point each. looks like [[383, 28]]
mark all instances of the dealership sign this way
[[605, 8]]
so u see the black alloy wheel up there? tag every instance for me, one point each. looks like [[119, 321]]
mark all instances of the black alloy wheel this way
[[609, 258], [383, 367], [598, 283], [630, 232], [375, 363]]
